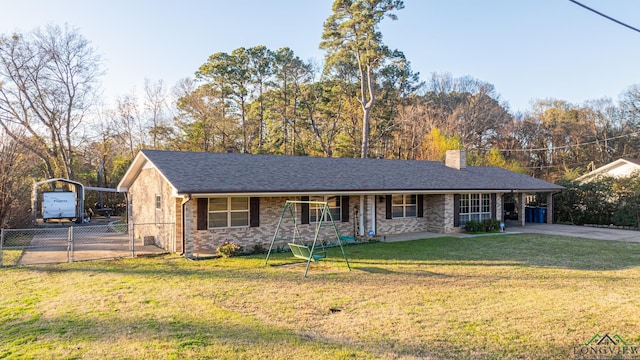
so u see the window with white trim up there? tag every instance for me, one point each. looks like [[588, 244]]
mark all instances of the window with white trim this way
[[475, 207], [228, 212], [404, 205], [315, 210]]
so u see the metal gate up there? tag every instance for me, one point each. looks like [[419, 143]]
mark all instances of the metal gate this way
[[74, 243]]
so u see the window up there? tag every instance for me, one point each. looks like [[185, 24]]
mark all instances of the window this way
[[475, 207], [228, 212], [404, 205], [158, 202], [315, 210]]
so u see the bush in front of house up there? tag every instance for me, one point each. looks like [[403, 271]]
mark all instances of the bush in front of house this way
[[491, 225], [259, 249], [487, 225], [473, 226], [228, 249]]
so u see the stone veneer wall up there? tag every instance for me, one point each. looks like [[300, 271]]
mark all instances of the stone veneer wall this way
[[147, 220], [440, 212], [206, 241], [439, 220], [386, 226]]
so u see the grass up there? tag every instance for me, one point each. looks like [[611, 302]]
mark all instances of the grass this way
[[491, 297], [12, 244], [10, 257], [17, 239]]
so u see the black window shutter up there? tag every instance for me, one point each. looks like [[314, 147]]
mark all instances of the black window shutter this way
[[493, 206], [202, 213], [420, 200], [344, 202], [304, 216], [388, 210], [254, 212], [456, 210]]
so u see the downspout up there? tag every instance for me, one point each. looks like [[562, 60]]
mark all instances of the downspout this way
[[362, 217], [374, 218], [184, 237]]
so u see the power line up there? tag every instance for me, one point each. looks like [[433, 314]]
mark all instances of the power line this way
[[606, 16], [551, 148]]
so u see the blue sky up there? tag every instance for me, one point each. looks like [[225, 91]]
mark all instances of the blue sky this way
[[528, 49]]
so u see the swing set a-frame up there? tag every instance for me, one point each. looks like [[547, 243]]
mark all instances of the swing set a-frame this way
[[317, 249]]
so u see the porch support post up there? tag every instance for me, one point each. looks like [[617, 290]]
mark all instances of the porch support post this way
[[362, 217], [521, 209], [371, 214], [189, 229], [549, 208]]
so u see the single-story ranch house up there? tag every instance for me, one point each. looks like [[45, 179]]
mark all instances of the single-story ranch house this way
[[212, 197]]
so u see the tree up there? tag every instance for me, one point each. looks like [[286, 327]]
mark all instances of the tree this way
[[436, 145], [128, 126], [239, 79], [467, 107], [47, 84], [155, 104], [261, 70], [323, 104], [397, 85], [215, 94], [493, 157], [290, 73], [351, 35], [15, 181], [200, 121]]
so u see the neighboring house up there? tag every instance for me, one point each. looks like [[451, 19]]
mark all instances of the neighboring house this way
[[213, 197], [617, 169]]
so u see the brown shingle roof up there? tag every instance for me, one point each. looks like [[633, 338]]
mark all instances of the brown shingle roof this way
[[203, 172]]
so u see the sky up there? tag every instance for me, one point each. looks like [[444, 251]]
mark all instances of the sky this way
[[528, 49]]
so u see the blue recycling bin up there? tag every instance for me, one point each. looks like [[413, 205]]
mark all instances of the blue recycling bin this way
[[542, 215], [528, 214], [536, 215]]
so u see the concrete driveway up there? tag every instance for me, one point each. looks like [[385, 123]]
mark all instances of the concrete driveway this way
[[577, 231]]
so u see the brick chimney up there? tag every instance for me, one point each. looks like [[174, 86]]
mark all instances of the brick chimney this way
[[456, 159]]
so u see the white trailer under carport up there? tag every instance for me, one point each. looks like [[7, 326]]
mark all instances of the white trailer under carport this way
[[59, 205], [78, 193]]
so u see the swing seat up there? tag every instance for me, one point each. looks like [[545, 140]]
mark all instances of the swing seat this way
[[347, 239], [304, 252]]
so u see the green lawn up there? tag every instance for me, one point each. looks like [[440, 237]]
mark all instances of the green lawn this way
[[489, 297]]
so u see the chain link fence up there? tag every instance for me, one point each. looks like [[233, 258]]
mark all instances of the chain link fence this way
[[83, 242]]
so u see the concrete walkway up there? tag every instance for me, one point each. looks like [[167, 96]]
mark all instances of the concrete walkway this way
[[587, 232], [533, 228]]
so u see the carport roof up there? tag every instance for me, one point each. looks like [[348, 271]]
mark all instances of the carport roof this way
[[211, 173]]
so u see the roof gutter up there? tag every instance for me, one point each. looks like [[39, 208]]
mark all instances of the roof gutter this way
[[369, 192]]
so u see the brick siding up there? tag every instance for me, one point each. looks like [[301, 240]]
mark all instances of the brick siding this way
[[206, 241]]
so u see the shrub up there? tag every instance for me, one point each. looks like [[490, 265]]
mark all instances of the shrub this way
[[487, 225], [472, 226], [259, 249], [228, 249], [491, 225]]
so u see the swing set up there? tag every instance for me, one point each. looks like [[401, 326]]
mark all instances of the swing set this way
[[317, 249]]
